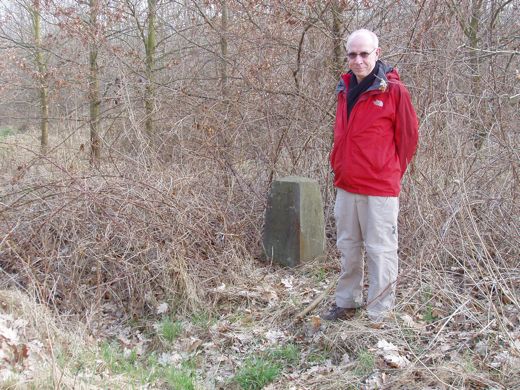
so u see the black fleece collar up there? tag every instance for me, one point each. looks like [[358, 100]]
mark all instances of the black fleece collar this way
[[376, 80], [355, 89]]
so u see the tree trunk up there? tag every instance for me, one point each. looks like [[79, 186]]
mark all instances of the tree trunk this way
[[150, 46], [42, 76], [472, 33], [224, 51], [338, 39], [226, 141], [93, 87]]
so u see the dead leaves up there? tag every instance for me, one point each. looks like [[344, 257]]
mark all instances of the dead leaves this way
[[162, 308], [263, 294], [391, 354], [15, 352], [409, 322]]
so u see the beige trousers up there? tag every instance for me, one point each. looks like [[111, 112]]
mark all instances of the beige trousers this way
[[371, 220]]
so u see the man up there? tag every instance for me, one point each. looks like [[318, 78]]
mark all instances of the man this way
[[375, 137]]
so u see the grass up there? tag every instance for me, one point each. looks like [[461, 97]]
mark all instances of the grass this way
[[6, 131], [148, 370], [169, 330], [467, 362], [318, 357], [287, 355], [428, 314], [256, 373], [366, 363], [319, 274], [117, 361], [264, 368], [179, 379], [202, 320]]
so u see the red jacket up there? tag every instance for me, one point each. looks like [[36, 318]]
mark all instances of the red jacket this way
[[373, 148]]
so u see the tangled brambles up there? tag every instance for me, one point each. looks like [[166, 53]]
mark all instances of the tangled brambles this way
[[131, 240]]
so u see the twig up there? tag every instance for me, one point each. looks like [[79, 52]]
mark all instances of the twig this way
[[446, 322], [315, 303]]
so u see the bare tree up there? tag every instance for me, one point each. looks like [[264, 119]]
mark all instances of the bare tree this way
[[94, 95], [150, 44], [337, 33], [41, 65], [224, 49]]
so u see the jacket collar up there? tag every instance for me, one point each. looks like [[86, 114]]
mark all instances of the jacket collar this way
[[381, 81], [379, 84]]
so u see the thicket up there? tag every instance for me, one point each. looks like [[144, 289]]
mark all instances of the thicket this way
[[202, 104]]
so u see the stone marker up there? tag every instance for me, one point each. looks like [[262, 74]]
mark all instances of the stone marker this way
[[294, 228]]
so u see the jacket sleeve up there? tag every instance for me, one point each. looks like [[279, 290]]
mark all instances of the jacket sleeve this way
[[406, 128]]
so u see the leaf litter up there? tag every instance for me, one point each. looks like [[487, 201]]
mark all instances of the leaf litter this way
[[254, 318]]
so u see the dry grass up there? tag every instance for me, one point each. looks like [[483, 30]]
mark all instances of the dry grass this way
[[109, 244], [39, 350], [131, 237]]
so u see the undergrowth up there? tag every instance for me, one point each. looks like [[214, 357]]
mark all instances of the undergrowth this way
[[110, 245]]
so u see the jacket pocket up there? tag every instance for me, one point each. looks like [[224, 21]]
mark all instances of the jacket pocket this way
[[337, 153], [372, 150]]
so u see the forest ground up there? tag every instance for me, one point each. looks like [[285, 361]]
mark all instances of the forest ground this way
[[249, 340]]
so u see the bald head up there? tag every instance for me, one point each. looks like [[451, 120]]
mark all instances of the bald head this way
[[362, 52], [363, 34]]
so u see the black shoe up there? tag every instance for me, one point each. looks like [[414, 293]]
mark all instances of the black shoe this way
[[338, 313]]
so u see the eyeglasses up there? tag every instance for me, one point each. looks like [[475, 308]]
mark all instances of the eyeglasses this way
[[363, 54]]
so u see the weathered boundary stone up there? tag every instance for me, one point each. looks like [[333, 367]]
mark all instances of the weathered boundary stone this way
[[294, 229]]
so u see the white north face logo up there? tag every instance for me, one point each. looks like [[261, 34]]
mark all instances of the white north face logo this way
[[378, 103]]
